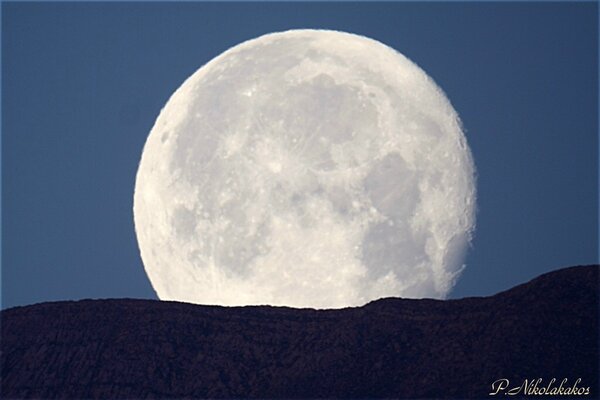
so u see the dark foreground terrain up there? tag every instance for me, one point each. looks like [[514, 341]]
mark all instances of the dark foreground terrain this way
[[111, 349]]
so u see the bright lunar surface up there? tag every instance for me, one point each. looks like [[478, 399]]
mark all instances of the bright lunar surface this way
[[306, 168]]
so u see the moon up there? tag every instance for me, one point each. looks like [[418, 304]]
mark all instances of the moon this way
[[306, 168]]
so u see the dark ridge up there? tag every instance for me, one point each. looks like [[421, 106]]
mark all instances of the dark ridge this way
[[389, 348]]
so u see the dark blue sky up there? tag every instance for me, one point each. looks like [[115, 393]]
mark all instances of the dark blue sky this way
[[82, 84]]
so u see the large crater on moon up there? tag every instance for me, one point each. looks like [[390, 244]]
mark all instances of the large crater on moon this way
[[305, 168]]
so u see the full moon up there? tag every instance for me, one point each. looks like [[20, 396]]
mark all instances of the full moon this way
[[306, 168]]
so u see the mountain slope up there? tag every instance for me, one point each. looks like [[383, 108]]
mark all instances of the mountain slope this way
[[547, 328]]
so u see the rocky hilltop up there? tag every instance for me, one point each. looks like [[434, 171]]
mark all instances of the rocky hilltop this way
[[398, 348]]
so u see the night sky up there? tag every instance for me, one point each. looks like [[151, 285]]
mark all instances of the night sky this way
[[82, 84]]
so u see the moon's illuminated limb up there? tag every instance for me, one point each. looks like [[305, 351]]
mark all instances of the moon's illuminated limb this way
[[305, 168]]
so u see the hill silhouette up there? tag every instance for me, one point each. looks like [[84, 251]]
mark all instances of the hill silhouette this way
[[398, 348]]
